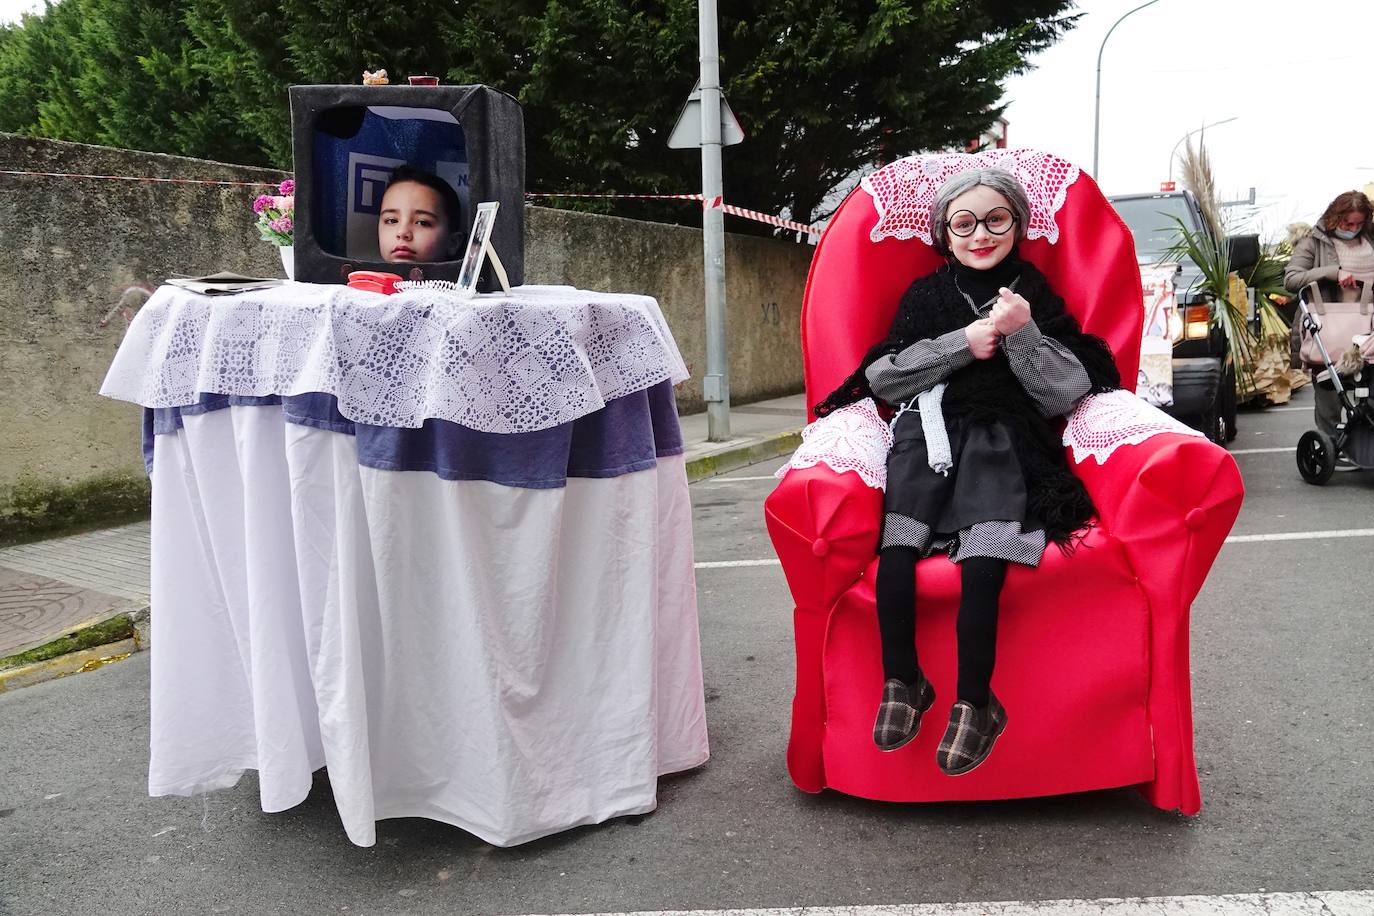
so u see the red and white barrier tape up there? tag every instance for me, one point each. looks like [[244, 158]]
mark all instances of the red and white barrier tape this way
[[716, 203], [772, 220], [610, 195]]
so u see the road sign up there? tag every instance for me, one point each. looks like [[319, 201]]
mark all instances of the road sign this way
[[1168, 186], [687, 133]]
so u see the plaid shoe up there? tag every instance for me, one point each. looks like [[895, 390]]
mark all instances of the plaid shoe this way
[[970, 735], [899, 714]]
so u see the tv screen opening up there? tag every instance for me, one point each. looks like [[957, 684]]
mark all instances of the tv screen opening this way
[[355, 150]]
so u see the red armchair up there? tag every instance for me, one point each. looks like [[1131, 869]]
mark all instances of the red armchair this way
[[1092, 659]]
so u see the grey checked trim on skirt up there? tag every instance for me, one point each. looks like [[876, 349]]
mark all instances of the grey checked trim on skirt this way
[[899, 713], [1001, 540], [997, 539], [970, 735], [904, 531]]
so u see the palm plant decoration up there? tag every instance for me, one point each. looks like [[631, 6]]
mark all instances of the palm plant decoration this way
[[1208, 249]]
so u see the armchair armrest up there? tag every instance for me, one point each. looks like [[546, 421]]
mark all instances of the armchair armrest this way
[[826, 515], [824, 519], [825, 527], [1170, 497]]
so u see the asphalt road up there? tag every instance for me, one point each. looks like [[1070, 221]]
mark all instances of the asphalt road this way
[[1283, 637]]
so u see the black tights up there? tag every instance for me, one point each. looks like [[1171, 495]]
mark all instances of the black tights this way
[[981, 580]]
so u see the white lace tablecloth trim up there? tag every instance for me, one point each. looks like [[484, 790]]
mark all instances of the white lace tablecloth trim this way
[[1102, 423], [903, 191], [543, 356], [853, 438]]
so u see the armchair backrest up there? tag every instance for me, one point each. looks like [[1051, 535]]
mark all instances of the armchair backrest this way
[[877, 243]]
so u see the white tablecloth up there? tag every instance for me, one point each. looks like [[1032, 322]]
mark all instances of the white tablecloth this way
[[513, 660]]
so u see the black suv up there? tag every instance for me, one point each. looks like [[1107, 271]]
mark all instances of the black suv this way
[[1204, 377]]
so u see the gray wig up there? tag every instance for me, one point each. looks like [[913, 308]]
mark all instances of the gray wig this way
[[1000, 180]]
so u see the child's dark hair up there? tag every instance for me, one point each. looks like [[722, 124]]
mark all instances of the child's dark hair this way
[[453, 207]]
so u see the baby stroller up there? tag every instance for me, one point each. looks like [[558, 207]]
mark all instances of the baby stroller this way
[[1352, 376]]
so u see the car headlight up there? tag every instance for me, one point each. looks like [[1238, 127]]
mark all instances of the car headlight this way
[[1197, 321]]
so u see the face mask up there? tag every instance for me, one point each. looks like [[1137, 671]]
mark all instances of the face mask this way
[[1346, 234]]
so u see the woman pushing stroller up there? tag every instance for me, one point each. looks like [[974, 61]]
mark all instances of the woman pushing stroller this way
[[1338, 256], [1333, 266], [980, 358]]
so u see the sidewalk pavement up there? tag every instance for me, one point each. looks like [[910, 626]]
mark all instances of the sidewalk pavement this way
[[59, 587]]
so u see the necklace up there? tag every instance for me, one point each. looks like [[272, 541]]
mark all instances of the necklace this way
[[954, 275]]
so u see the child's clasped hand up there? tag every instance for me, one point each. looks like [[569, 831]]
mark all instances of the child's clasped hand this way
[[982, 338], [1010, 312]]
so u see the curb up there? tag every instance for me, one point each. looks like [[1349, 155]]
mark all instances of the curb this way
[[87, 659], [71, 663], [749, 452]]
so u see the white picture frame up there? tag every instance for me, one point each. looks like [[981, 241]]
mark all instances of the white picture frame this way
[[479, 249]]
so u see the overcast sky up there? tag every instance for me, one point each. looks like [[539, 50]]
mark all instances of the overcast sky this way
[[1295, 76], [11, 10]]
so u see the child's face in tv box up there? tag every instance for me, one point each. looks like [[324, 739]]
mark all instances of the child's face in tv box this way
[[414, 225]]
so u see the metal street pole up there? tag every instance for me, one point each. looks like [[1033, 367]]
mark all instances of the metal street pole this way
[[716, 383], [1097, 104], [1173, 154]]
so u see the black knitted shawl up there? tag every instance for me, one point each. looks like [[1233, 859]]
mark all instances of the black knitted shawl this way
[[988, 389]]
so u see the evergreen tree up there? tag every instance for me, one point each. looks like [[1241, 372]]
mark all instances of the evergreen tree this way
[[823, 88], [38, 69], [119, 73]]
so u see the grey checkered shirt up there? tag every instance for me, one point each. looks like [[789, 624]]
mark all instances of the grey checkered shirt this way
[[1050, 373]]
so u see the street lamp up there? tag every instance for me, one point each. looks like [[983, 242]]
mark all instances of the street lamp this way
[[1174, 152], [1097, 104]]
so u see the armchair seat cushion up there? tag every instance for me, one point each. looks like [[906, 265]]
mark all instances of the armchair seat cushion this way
[[1072, 671]]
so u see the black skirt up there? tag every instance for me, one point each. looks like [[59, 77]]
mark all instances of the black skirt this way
[[985, 486]]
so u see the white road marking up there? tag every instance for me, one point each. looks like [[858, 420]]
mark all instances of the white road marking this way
[[1235, 451], [1313, 903], [1233, 539], [1301, 535], [730, 564]]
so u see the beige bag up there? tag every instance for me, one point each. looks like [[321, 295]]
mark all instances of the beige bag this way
[[1339, 323]]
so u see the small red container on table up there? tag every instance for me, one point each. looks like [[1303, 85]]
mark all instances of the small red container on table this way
[[374, 281]]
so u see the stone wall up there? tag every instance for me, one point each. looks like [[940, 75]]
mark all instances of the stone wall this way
[[764, 283], [75, 246]]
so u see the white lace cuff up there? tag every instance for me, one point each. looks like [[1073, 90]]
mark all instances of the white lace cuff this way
[[1102, 423], [853, 438]]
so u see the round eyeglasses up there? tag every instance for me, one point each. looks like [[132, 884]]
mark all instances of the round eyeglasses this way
[[997, 221]]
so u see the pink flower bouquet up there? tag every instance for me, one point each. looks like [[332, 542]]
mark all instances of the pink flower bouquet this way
[[276, 214]]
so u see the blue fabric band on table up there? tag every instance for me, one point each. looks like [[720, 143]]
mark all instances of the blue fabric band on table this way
[[629, 434]]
